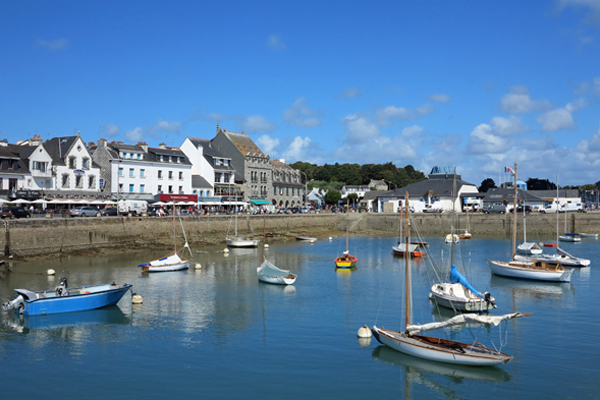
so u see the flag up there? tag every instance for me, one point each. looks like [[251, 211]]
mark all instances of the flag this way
[[507, 169]]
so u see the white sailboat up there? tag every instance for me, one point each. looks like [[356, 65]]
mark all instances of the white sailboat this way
[[239, 241], [531, 248], [458, 294], [527, 269], [171, 262], [443, 350], [269, 273]]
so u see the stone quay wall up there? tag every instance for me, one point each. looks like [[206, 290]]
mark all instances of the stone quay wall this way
[[66, 236]]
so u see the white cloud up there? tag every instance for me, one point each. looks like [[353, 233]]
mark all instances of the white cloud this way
[[439, 98], [300, 114], [268, 145], [359, 129], [109, 130], [54, 45], [275, 43], [299, 149], [350, 93], [560, 118], [483, 139], [591, 6], [389, 113], [135, 135], [166, 126], [256, 123], [597, 85], [518, 102], [508, 126]]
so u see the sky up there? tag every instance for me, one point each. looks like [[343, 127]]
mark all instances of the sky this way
[[478, 85]]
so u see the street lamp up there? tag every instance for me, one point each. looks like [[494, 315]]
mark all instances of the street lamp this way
[[305, 183]]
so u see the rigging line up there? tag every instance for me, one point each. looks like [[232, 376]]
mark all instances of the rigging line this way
[[380, 301]]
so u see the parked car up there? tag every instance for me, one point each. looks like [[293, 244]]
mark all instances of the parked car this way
[[430, 208], [85, 212], [494, 209], [109, 211], [295, 210], [571, 207], [14, 212], [520, 209]]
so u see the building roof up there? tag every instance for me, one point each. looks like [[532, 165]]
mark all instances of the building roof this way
[[199, 182], [439, 185], [244, 144], [58, 147]]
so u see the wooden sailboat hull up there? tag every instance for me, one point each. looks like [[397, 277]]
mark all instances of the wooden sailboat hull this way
[[348, 261], [456, 297], [441, 350], [167, 268], [530, 270], [413, 250]]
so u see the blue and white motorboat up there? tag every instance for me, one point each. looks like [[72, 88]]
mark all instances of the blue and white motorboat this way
[[64, 299]]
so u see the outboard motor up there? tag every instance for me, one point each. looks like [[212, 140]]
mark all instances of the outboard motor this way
[[18, 303], [61, 289], [487, 297]]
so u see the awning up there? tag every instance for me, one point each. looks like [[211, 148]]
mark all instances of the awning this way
[[260, 202]]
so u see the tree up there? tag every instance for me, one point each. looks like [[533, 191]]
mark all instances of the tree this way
[[540, 184], [486, 185], [333, 197]]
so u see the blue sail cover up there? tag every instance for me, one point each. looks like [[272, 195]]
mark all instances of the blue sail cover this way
[[456, 277]]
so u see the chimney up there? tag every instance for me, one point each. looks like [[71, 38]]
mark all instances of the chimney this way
[[144, 146], [162, 146]]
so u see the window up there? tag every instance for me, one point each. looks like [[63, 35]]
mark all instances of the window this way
[[274, 189], [170, 159], [120, 188], [131, 188], [131, 174], [91, 182], [170, 189], [78, 181], [161, 158], [12, 183], [159, 174], [65, 181], [86, 163], [139, 156], [142, 188], [287, 191], [180, 175], [120, 171], [180, 189], [159, 188], [170, 174], [72, 162], [142, 173], [40, 166]]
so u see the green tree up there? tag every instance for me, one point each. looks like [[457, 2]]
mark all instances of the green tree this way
[[332, 197], [486, 185]]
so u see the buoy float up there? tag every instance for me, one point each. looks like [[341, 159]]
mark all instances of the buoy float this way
[[136, 299], [198, 266], [364, 332], [51, 271], [266, 245], [312, 241], [330, 238], [226, 250]]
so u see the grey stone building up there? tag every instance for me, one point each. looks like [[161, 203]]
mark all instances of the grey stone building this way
[[288, 190]]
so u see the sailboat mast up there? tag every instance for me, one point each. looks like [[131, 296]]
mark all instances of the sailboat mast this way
[[174, 229], [556, 209], [347, 224], [262, 256], [453, 217], [514, 237], [408, 301]]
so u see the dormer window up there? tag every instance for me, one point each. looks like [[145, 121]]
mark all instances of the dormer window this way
[[161, 158]]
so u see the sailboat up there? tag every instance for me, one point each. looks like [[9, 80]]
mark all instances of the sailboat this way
[[530, 248], [406, 248], [346, 260], [569, 237], [171, 262], [458, 294], [527, 269], [466, 234], [443, 350], [239, 241], [269, 273]]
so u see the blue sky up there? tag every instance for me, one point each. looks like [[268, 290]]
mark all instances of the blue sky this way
[[478, 85]]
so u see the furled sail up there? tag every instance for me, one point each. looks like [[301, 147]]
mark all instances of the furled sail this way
[[456, 277], [462, 319]]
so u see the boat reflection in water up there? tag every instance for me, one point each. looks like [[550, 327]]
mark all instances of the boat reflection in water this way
[[418, 369], [111, 315], [532, 289]]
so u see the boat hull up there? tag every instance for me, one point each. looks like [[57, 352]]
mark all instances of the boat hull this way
[[80, 299], [447, 295], [446, 351], [306, 238], [348, 261], [413, 250], [528, 270], [277, 280], [242, 242], [166, 268]]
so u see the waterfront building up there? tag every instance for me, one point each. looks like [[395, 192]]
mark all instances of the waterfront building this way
[[249, 161], [359, 190], [288, 190], [139, 172]]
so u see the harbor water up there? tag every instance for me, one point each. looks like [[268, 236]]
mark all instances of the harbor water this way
[[217, 332]]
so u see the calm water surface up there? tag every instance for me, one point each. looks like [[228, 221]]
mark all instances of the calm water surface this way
[[219, 333]]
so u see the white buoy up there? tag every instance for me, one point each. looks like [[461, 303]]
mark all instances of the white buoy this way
[[137, 299], [330, 238], [198, 266], [364, 332], [266, 245], [312, 241], [51, 272], [226, 250]]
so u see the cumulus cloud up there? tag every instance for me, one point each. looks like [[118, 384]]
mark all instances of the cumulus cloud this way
[[519, 102], [275, 43], [387, 114], [597, 85], [109, 130], [350, 93], [135, 135], [359, 129], [508, 126], [166, 126], [300, 114], [54, 45], [268, 145], [256, 123], [299, 149], [560, 118], [496, 137], [439, 98]]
